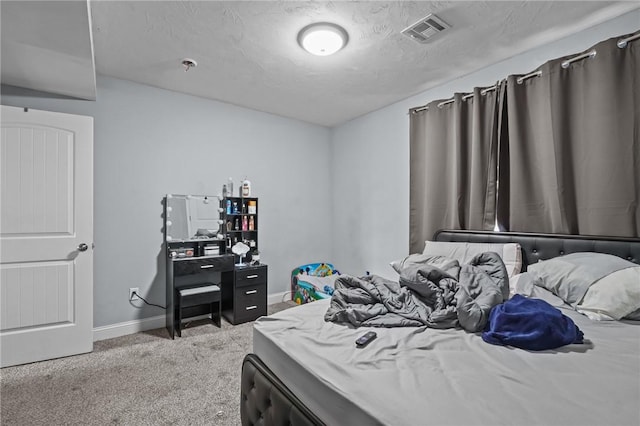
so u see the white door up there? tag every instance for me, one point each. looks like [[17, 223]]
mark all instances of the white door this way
[[46, 235]]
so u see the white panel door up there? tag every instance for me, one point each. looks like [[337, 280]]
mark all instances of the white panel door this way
[[46, 235]]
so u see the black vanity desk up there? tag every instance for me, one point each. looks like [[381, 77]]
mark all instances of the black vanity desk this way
[[194, 272], [199, 231]]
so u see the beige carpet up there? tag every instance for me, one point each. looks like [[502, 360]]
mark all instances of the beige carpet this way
[[141, 379]]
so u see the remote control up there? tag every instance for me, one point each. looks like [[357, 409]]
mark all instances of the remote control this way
[[364, 340]]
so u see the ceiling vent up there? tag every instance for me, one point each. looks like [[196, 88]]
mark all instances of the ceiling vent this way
[[423, 30]]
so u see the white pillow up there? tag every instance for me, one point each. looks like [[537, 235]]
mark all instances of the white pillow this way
[[510, 253], [441, 262], [529, 285], [570, 276], [612, 297]]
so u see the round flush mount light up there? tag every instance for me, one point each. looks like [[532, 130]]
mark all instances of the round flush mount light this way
[[322, 38]]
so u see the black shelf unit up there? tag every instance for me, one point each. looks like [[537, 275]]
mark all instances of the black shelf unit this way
[[248, 300], [241, 223]]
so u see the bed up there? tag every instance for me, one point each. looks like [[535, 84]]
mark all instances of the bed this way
[[305, 371]]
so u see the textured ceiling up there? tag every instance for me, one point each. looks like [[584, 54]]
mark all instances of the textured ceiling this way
[[248, 53], [47, 46]]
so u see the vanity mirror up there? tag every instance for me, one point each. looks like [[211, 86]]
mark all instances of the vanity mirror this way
[[193, 218]]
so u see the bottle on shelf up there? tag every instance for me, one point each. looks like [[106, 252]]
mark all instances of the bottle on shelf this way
[[237, 224], [245, 223], [246, 188], [251, 223], [255, 258], [235, 207], [230, 187], [228, 206]]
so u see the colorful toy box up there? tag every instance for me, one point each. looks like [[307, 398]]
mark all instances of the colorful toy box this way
[[313, 281]]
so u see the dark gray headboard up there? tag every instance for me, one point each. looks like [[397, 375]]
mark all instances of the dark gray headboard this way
[[537, 247]]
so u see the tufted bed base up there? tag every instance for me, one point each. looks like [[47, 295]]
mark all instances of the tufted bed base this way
[[536, 247], [265, 400]]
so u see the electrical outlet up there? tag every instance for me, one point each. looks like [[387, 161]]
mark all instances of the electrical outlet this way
[[134, 296]]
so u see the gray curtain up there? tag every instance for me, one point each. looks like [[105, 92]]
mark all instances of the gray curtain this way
[[570, 152], [453, 154]]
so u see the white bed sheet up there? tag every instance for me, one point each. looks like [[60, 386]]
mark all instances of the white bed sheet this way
[[422, 376]]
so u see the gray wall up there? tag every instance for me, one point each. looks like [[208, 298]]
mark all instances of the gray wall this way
[[149, 142], [338, 195], [370, 180]]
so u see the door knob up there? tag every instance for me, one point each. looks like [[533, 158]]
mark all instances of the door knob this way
[[82, 247]]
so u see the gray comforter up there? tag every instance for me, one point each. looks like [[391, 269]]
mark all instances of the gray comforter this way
[[432, 291]]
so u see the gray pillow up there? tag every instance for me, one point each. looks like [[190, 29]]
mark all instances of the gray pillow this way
[[510, 253], [635, 315], [569, 277], [441, 262]]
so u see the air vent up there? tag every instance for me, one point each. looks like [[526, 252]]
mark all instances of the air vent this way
[[423, 30]]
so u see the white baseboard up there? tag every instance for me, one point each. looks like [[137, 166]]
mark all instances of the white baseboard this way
[[128, 327], [135, 326], [278, 297]]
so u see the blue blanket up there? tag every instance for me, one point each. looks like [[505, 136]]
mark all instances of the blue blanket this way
[[531, 324]]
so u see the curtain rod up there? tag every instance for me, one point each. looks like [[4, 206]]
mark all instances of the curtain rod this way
[[519, 80], [464, 98], [568, 62], [488, 89], [443, 103], [622, 43]]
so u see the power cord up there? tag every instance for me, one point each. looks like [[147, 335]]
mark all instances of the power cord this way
[[143, 299], [287, 295]]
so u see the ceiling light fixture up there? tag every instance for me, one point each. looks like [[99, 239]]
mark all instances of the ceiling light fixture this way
[[322, 38]]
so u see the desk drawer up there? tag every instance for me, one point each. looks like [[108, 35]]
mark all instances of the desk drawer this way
[[202, 264], [251, 302], [251, 277]]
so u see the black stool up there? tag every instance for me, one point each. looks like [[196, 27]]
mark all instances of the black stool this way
[[194, 296]]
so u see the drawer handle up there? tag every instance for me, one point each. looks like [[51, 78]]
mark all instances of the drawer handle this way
[[252, 276], [251, 307], [251, 292], [206, 266]]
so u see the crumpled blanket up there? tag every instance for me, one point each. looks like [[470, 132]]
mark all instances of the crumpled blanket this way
[[436, 292], [531, 324]]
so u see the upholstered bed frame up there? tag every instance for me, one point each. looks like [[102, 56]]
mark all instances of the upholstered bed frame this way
[[265, 400], [537, 247]]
